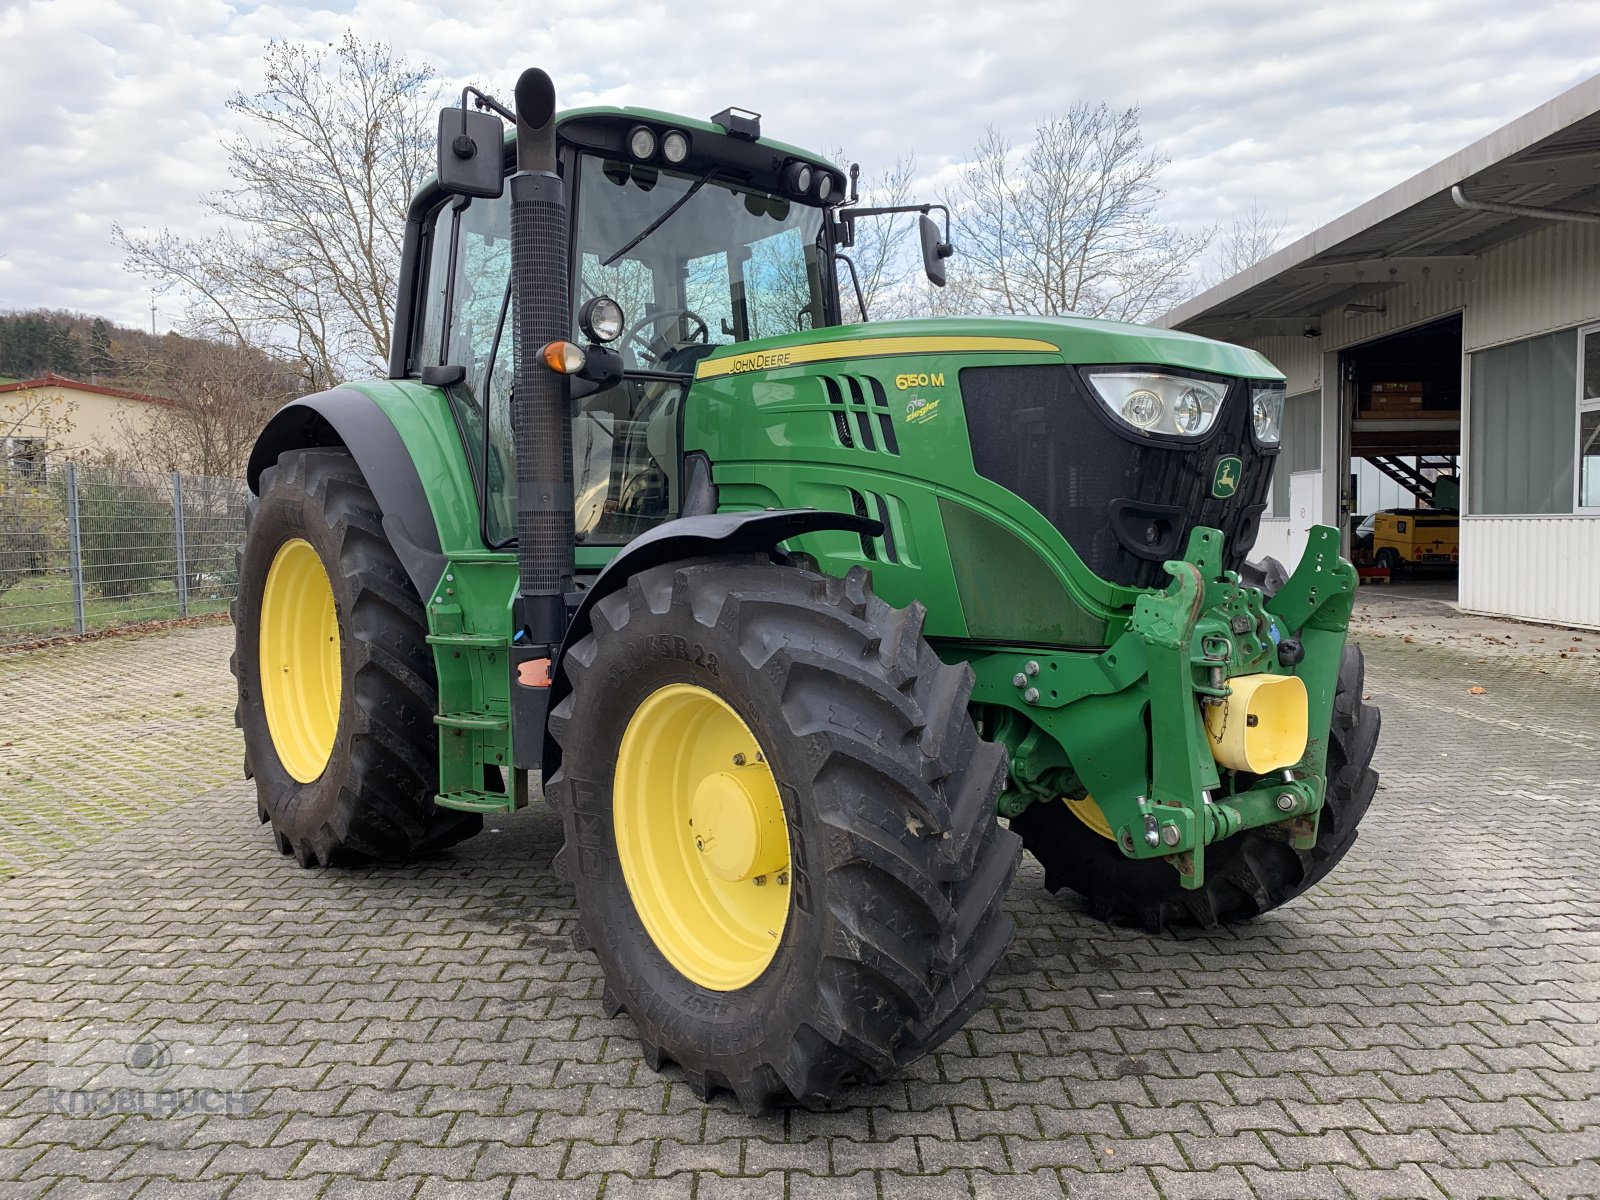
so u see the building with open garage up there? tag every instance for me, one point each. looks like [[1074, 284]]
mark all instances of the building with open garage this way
[[1444, 337]]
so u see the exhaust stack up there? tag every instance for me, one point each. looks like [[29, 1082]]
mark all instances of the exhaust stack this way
[[540, 428]]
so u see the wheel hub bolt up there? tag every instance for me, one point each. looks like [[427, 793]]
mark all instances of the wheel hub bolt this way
[[738, 760], [1031, 695], [1019, 680], [1286, 802], [1032, 668]]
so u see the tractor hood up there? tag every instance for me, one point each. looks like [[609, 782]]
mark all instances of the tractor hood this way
[[1078, 340]]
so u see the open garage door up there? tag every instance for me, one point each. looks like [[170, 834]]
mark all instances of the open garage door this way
[[1404, 405]]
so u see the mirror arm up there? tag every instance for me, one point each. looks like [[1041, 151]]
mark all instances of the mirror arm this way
[[483, 100], [889, 209]]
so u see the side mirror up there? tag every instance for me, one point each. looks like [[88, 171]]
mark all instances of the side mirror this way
[[471, 153], [934, 252]]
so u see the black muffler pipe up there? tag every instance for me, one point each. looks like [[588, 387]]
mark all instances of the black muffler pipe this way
[[539, 421]]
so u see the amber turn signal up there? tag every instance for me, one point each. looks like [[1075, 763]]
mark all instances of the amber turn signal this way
[[564, 358]]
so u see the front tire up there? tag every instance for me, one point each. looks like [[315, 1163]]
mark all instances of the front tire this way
[[885, 836], [1247, 875], [337, 688]]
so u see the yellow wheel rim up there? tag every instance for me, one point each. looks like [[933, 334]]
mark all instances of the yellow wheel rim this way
[[300, 676], [1087, 810], [702, 837]]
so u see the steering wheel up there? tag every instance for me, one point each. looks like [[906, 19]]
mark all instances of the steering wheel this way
[[634, 336]]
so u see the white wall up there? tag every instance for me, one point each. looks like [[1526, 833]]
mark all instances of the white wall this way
[[1273, 539], [1535, 568], [1545, 569]]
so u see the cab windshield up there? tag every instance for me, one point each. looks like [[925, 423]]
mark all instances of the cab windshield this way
[[726, 264]]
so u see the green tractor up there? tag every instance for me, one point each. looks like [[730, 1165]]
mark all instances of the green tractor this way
[[806, 626]]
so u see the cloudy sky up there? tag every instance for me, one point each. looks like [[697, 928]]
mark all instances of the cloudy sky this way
[[112, 110]]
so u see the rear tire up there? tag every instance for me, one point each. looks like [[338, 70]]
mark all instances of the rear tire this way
[[374, 797], [898, 864], [1248, 874]]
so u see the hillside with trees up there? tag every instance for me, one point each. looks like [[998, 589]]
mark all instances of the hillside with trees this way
[[222, 392]]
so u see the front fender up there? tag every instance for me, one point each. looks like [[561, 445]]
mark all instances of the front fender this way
[[714, 535]]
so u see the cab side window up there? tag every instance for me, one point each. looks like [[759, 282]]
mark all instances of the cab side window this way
[[428, 339], [464, 323], [469, 268]]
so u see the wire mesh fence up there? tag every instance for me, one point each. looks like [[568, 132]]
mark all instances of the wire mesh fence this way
[[89, 548]]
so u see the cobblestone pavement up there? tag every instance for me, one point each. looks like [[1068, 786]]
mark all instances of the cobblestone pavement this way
[[1427, 1023], [97, 734]]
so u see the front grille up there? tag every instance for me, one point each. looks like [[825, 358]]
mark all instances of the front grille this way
[[1125, 504]]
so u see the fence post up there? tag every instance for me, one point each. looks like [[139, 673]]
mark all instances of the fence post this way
[[75, 549], [183, 558]]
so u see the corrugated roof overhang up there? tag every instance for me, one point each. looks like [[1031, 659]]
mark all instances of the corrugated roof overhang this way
[[1547, 158]]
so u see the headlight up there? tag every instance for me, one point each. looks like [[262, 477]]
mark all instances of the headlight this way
[[601, 319], [1153, 402], [1266, 412]]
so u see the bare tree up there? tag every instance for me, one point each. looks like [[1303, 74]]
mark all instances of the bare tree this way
[[221, 395], [307, 262], [1250, 237], [1069, 224]]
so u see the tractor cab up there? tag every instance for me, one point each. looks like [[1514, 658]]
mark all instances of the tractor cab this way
[[684, 237]]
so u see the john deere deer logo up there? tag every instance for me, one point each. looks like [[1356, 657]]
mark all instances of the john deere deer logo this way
[[1226, 480]]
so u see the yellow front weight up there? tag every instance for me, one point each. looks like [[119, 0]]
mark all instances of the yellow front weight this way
[[702, 837], [1262, 726]]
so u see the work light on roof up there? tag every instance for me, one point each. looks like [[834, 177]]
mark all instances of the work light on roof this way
[[797, 178], [675, 146], [642, 142]]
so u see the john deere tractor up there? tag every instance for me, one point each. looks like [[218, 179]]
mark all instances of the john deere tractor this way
[[805, 626]]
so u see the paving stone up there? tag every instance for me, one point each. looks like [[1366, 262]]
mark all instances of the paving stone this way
[[70, 1188], [626, 1187], [892, 1185], [256, 1187], [1421, 1023], [774, 1186], [1576, 1179], [454, 1189], [1133, 1183], [346, 1187], [1368, 1183], [588, 1188], [1032, 1185], [1308, 1183]]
